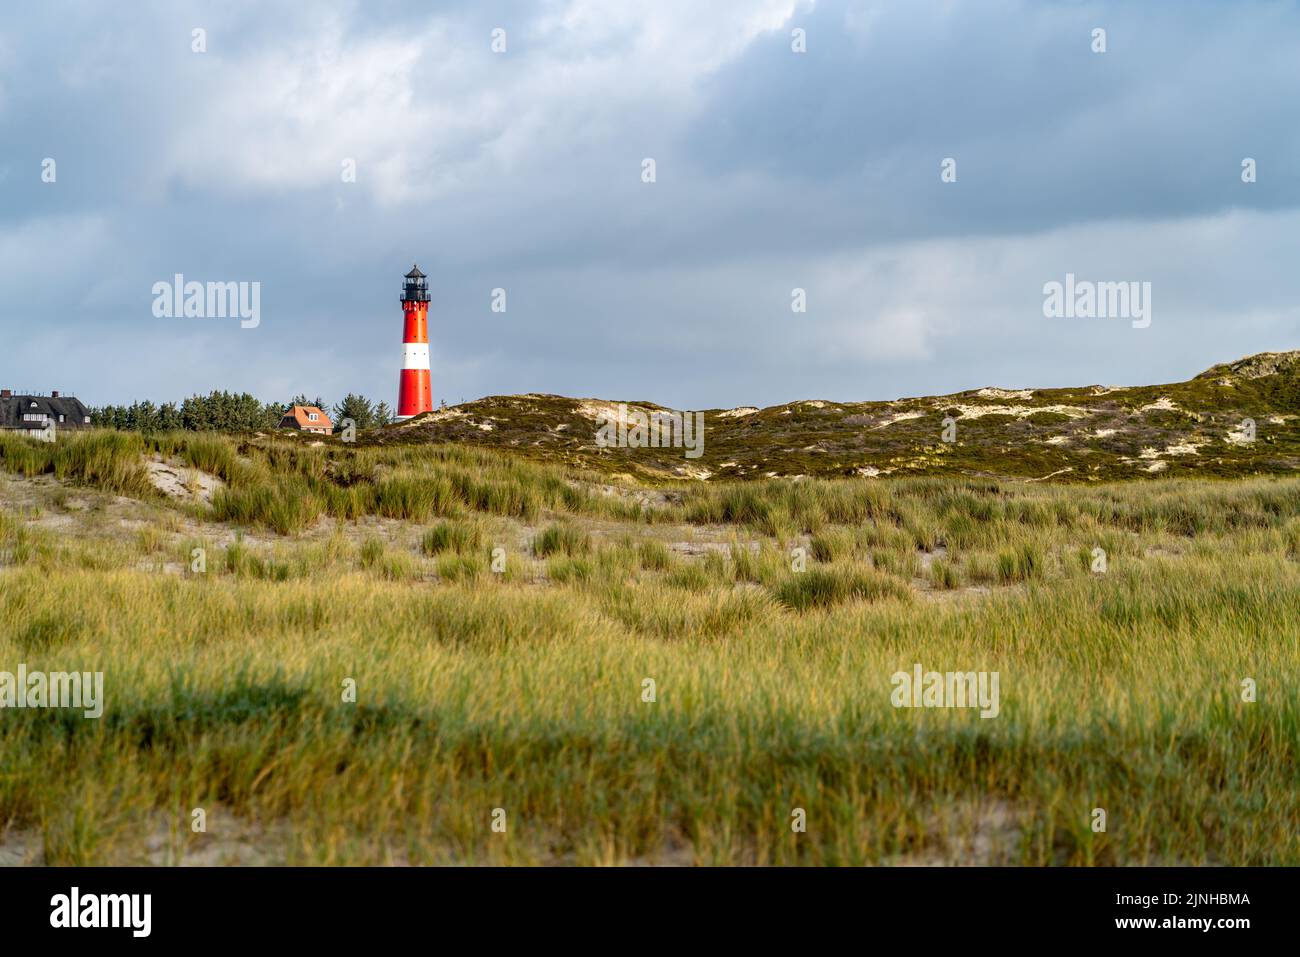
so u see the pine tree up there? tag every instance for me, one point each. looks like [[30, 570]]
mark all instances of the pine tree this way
[[169, 417], [146, 416], [357, 408], [196, 413]]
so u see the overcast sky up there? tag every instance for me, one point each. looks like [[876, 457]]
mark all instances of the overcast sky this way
[[523, 170]]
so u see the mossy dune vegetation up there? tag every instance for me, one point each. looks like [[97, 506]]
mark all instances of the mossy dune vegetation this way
[[1234, 420], [499, 618]]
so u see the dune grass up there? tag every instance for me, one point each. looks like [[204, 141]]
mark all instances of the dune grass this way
[[524, 687], [561, 539], [471, 698], [456, 536], [822, 587], [112, 461]]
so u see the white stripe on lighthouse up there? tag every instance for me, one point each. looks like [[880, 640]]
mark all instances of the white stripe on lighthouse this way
[[415, 355]]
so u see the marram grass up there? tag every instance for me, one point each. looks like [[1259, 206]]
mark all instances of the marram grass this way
[[226, 693], [770, 689]]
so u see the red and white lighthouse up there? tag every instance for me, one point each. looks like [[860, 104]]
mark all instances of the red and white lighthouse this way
[[414, 393]]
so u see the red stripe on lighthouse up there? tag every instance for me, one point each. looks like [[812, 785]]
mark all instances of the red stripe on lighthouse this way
[[415, 395]]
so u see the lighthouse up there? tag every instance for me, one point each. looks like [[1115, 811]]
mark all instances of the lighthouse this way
[[414, 393]]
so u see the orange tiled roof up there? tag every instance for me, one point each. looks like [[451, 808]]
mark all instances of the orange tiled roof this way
[[301, 415]]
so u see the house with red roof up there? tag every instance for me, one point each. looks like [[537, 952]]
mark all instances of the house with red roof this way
[[307, 418]]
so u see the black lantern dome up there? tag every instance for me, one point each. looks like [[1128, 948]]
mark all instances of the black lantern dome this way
[[416, 287]]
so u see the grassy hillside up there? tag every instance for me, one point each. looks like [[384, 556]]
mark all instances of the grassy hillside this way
[[1091, 433]]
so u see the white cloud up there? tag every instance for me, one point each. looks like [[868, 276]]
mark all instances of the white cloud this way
[[286, 119], [428, 109]]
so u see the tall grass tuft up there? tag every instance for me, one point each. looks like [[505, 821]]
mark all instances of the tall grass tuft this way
[[452, 536], [824, 587], [282, 505], [1020, 564], [653, 555], [113, 461], [214, 454], [561, 539], [414, 497]]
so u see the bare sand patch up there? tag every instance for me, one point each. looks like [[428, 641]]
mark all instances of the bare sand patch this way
[[969, 833], [185, 484]]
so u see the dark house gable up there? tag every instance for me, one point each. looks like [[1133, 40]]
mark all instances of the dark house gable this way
[[34, 412]]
